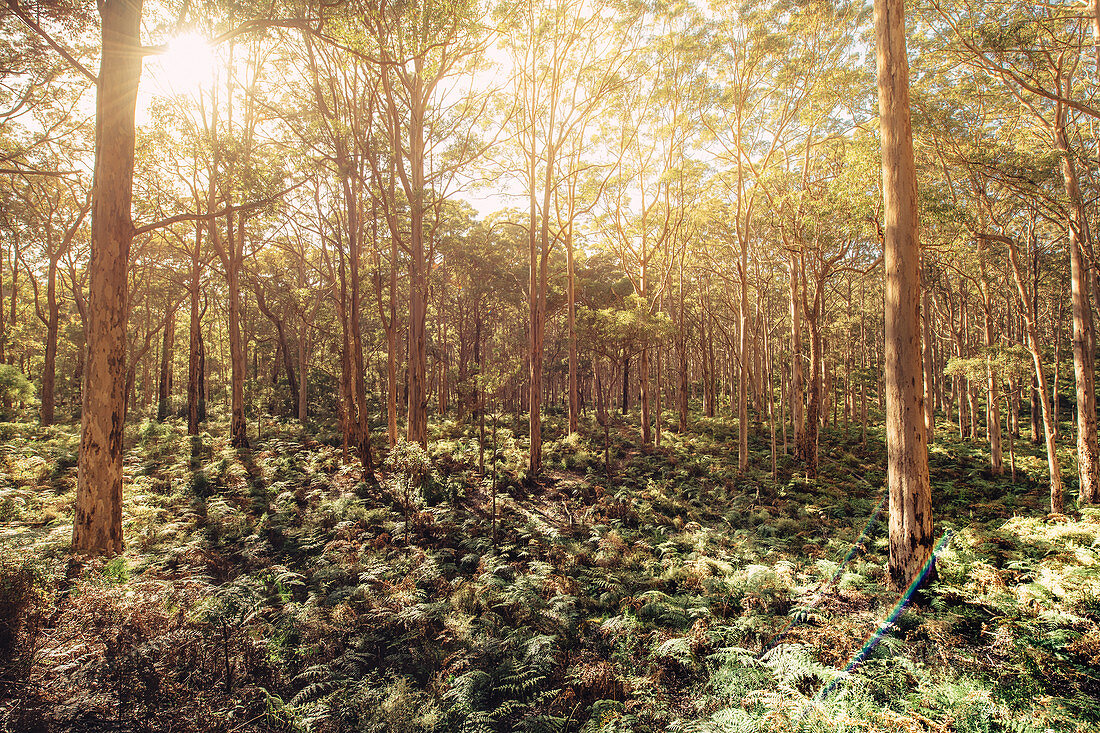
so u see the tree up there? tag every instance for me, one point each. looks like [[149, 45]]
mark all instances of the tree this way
[[421, 49], [910, 490], [97, 524], [568, 59], [1034, 55]]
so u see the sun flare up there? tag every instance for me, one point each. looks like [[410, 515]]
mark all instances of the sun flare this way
[[187, 65]]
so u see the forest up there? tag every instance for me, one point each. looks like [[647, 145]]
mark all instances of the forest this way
[[549, 365]]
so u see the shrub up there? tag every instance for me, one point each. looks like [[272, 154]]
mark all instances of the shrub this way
[[412, 469], [22, 601], [14, 387]]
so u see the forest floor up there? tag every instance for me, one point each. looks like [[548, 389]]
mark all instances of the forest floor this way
[[273, 590]]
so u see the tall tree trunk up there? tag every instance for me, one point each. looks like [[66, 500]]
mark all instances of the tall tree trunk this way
[[643, 383], [1088, 456], [204, 384], [418, 286], [391, 335], [626, 382], [929, 372], [539, 253], [391, 368], [797, 421], [3, 318], [743, 372], [97, 524], [571, 287], [910, 491], [992, 393], [682, 352], [194, 350], [164, 381], [360, 414], [1050, 429], [303, 373], [1055, 401], [49, 367], [348, 422], [238, 427], [812, 423], [14, 298], [659, 411]]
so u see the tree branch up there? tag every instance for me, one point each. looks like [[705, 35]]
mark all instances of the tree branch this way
[[34, 26], [138, 231]]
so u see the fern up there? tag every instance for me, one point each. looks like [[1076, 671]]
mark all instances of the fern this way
[[794, 669], [313, 692]]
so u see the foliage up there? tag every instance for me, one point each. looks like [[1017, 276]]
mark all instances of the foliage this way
[[670, 600], [14, 388]]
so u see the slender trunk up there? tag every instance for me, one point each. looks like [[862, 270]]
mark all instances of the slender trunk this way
[[49, 367], [417, 431], [348, 422], [971, 397], [534, 345], [743, 372], [303, 374], [626, 383], [1083, 360], [571, 288], [194, 351], [164, 381], [1050, 429], [957, 387], [796, 398], [682, 355], [659, 417], [643, 380], [361, 414], [1054, 382], [391, 345], [238, 427], [3, 318], [14, 298], [992, 404], [812, 424], [929, 378]]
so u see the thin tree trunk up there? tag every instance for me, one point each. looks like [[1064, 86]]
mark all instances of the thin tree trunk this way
[[1088, 456], [194, 351], [164, 381], [303, 373], [798, 422], [992, 404], [812, 423], [49, 367], [929, 378], [643, 382], [743, 375], [571, 292], [238, 426], [1050, 428]]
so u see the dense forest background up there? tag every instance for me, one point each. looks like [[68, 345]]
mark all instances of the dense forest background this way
[[523, 366]]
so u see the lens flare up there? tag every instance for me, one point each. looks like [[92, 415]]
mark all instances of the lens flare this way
[[186, 66]]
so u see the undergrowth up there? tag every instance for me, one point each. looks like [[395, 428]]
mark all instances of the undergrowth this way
[[275, 590]]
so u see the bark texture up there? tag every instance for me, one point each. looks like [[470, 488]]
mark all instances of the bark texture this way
[[97, 524], [910, 492]]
